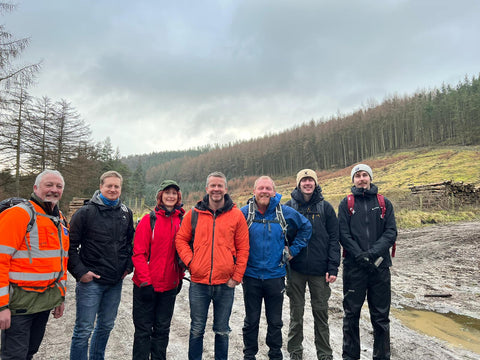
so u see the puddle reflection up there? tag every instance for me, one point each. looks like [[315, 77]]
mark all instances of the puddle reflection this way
[[458, 330]]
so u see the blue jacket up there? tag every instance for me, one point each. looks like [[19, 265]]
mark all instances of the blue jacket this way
[[267, 240]]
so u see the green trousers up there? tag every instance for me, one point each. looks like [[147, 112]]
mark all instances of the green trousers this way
[[319, 295]]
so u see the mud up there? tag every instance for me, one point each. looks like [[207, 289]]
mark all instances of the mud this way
[[430, 261]]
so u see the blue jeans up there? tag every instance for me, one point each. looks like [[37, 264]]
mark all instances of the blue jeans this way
[[98, 301], [201, 296]]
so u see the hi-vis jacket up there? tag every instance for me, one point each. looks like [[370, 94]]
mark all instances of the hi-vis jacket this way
[[32, 262]]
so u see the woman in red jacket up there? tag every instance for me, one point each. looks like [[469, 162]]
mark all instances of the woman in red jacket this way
[[157, 277]]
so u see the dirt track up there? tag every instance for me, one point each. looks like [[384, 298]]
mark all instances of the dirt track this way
[[434, 260]]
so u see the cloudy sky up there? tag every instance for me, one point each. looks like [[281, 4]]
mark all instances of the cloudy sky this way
[[158, 75]]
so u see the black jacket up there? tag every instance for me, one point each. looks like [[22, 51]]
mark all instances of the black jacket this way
[[322, 253], [365, 230], [101, 239]]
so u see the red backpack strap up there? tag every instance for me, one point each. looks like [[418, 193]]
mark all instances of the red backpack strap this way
[[381, 203], [351, 204]]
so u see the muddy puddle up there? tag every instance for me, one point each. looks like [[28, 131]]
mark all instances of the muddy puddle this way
[[458, 330]]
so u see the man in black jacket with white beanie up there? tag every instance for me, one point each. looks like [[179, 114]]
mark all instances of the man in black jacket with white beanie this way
[[367, 232]]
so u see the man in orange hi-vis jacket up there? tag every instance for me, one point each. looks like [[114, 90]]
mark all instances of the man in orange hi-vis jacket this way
[[33, 267]]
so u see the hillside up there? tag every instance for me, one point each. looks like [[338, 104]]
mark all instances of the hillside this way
[[393, 173]]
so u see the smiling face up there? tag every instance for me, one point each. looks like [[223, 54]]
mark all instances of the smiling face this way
[[170, 197], [307, 186], [361, 179], [263, 191], [111, 188], [50, 188], [216, 190]]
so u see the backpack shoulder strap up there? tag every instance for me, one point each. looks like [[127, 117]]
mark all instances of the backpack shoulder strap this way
[[381, 203], [383, 207], [294, 203], [251, 213], [321, 210], [32, 212], [194, 221], [281, 218], [153, 219], [351, 204]]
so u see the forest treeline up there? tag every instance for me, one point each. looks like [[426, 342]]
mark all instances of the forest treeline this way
[[449, 115]]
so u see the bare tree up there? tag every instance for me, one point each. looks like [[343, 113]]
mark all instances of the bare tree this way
[[10, 50], [69, 134], [13, 137]]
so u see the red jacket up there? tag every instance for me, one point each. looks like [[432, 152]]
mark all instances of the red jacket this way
[[155, 261], [221, 245]]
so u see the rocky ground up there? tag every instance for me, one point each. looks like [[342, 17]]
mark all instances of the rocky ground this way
[[437, 260]]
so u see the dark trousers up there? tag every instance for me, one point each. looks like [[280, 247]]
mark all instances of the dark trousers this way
[[22, 340], [152, 324], [358, 283], [271, 291]]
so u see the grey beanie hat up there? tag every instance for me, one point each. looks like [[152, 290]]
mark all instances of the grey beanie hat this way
[[361, 167]]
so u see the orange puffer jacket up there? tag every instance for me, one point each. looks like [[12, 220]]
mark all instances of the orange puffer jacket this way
[[221, 246], [34, 261]]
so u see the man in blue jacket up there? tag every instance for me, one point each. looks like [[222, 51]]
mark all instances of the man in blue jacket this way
[[315, 265], [264, 277], [367, 232]]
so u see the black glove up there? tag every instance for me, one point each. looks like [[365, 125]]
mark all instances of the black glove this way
[[365, 261], [147, 293]]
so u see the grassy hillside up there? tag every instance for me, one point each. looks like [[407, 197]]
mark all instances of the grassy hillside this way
[[393, 174]]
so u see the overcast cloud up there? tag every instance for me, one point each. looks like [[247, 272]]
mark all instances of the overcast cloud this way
[[168, 75]]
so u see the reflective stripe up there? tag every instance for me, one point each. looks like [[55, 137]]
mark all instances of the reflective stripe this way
[[4, 290], [37, 254], [33, 252], [7, 250], [33, 277]]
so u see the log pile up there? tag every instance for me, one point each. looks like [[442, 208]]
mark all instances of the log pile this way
[[74, 205], [447, 192]]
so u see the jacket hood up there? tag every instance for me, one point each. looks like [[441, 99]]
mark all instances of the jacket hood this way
[[317, 196], [203, 204], [364, 192]]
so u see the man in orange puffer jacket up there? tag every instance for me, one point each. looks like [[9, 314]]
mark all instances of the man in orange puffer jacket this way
[[216, 261]]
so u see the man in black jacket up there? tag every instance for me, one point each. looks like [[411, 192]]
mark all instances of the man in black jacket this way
[[315, 265], [100, 256], [367, 232]]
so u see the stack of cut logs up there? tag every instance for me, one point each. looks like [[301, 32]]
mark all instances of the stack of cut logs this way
[[74, 205], [444, 191]]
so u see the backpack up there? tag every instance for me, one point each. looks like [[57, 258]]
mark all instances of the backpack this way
[[383, 208], [280, 219], [14, 201]]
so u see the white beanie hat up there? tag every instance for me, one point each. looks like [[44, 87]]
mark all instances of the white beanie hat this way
[[361, 167]]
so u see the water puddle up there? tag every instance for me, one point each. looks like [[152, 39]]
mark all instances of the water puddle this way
[[458, 330]]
